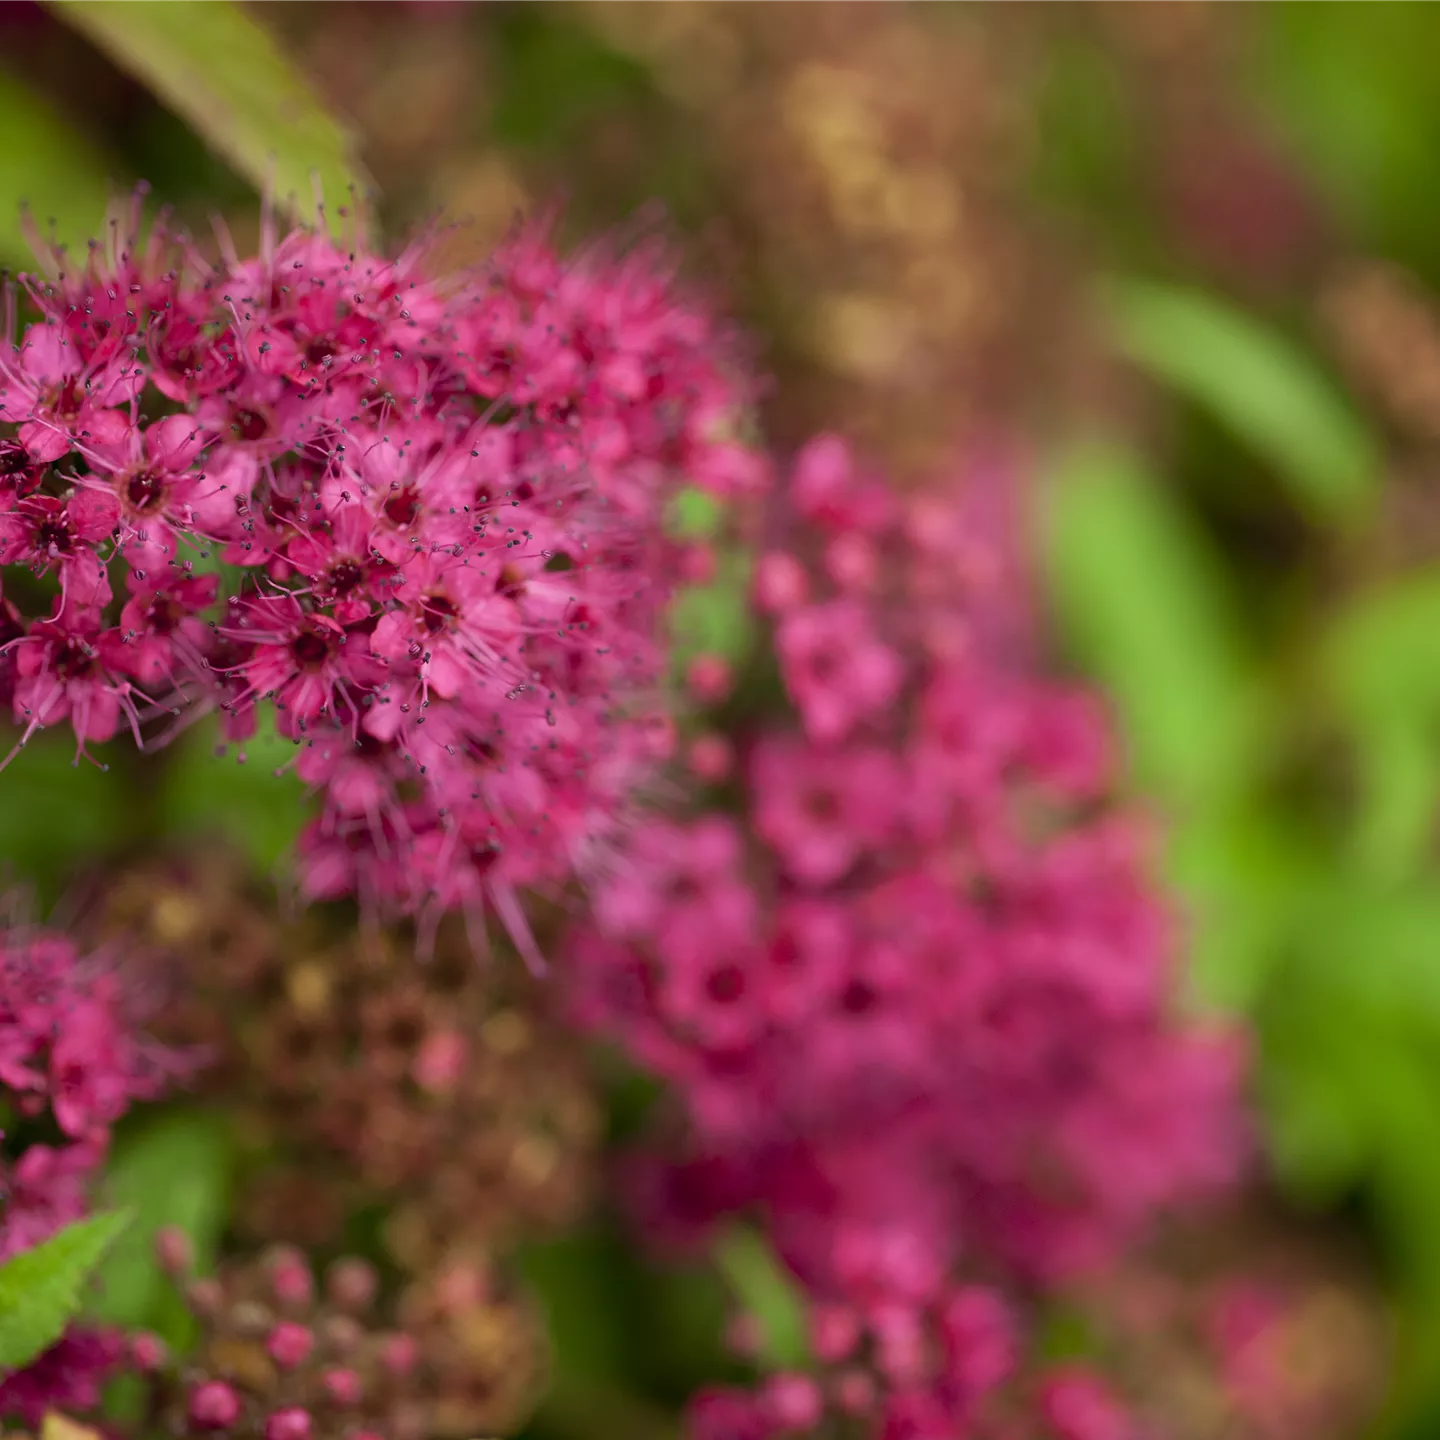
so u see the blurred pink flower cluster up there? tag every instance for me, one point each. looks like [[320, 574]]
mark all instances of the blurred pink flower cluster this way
[[72, 1056], [424, 522], [917, 999]]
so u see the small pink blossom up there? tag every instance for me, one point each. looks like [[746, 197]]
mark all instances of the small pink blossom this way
[[837, 672]]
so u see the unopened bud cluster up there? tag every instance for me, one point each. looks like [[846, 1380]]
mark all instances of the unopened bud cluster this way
[[284, 1357]]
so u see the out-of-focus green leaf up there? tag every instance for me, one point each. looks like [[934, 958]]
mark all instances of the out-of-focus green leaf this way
[[1350, 1050], [1359, 983], [1399, 777], [1065, 1335], [716, 618], [1351, 91], [1243, 877], [55, 814], [695, 514], [1381, 655], [574, 1277], [172, 1169], [1380, 668], [1314, 1085], [235, 793], [1144, 604], [222, 72], [690, 1304], [46, 165], [1376, 945], [581, 1407], [40, 1288], [767, 1293], [554, 78], [1405, 1181], [618, 1330], [1254, 382]]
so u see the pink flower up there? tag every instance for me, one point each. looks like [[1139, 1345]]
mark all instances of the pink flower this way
[[836, 671], [150, 476], [69, 1045], [68, 1377], [45, 1190], [727, 1415], [164, 637], [308, 665], [70, 668], [820, 810], [89, 1088], [43, 530], [1077, 1406], [58, 398]]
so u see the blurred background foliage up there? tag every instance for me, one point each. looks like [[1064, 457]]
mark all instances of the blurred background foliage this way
[[1178, 263]]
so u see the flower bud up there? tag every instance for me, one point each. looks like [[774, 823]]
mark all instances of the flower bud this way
[[292, 1423], [399, 1354], [148, 1352], [709, 678], [780, 582], [343, 1386], [214, 1406], [352, 1283], [173, 1250], [289, 1345]]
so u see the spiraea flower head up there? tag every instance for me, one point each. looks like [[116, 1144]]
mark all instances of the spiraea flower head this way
[[73, 1060], [438, 507], [915, 996]]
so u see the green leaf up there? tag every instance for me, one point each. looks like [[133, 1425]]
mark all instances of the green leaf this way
[[585, 1289], [1348, 1021], [1380, 655], [581, 1407], [46, 165], [56, 815], [1313, 1084], [1378, 666], [767, 1293], [1262, 388], [1350, 92], [40, 1288], [1144, 604], [173, 1169], [716, 619], [1245, 876], [1351, 1061], [235, 793], [217, 68], [695, 514]]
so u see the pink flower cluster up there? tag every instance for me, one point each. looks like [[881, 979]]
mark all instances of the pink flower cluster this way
[[68, 1377], [424, 521], [916, 999], [72, 1057]]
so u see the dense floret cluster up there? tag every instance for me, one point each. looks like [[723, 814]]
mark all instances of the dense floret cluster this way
[[73, 1060], [916, 998], [422, 523]]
